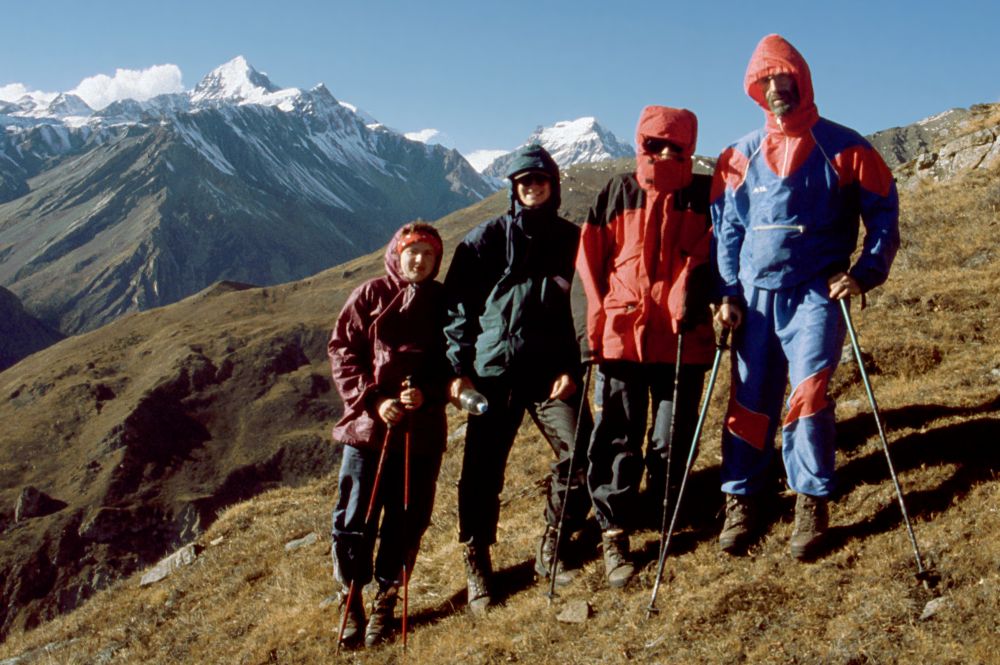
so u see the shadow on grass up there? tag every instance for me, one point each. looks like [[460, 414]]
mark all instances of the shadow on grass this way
[[854, 431], [973, 447], [506, 583]]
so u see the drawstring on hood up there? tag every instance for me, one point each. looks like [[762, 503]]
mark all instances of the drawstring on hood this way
[[774, 55], [678, 126]]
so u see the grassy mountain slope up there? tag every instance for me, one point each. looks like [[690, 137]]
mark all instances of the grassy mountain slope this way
[[244, 371]]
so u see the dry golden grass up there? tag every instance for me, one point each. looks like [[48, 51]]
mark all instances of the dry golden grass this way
[[934, 339]]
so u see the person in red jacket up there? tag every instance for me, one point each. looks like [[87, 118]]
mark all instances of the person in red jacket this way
[[388, 360], [643, 262]]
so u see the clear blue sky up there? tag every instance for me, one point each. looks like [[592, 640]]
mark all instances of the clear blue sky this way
[[487, 73]]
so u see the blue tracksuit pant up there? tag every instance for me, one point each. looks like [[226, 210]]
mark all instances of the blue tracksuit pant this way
[[796, 333]]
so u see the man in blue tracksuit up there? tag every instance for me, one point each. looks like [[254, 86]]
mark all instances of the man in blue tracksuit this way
[[787, 200]]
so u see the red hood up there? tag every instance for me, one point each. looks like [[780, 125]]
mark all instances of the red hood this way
[[774, 55], [679, 126]]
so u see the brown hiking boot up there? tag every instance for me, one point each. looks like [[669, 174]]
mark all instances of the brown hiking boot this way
[[354, 625], [543, 559], [739, 524], [381, 622], [617, 566], [811, 520], [478, 571]]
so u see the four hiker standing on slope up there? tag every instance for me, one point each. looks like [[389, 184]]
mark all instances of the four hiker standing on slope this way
[[786, 206]]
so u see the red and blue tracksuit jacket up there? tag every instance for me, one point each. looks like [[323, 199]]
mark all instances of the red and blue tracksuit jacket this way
[[787, 203]]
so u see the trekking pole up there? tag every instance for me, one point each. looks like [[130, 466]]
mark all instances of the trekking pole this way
[[352, 587], [845, 308], [584, 397], [665, 535], [406, 506], [670, 438]]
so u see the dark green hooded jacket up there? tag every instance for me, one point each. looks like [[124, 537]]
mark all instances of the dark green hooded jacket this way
[[508, 289]]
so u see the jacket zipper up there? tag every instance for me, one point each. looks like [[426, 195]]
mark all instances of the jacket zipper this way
[[779, 227]]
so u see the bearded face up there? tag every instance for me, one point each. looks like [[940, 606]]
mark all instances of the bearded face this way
[[781, 93]]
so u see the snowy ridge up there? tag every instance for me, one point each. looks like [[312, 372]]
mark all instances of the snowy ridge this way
[[330, 133]]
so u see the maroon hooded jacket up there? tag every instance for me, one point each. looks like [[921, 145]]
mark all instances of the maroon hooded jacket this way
[[388, 330]]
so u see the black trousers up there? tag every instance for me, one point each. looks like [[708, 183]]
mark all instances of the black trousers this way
[[615, 456], [488, 441]]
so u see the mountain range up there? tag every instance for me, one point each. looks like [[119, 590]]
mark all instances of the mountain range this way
[[141, 204]]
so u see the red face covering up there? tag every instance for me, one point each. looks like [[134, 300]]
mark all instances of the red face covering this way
[[662, 175], [680, 127]]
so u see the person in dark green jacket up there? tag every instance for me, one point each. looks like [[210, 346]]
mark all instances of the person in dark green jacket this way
[[511, 337]]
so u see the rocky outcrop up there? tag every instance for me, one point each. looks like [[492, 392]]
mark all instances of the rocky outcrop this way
[[943, 146], [32, 502]]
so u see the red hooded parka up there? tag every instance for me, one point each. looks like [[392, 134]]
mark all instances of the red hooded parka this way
[[644, 250]]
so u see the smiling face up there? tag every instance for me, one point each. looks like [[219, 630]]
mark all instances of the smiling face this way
[[781, 93], [416, 261], [533, 188]]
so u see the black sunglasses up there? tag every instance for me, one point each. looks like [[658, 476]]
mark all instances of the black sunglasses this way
[[655, 146]]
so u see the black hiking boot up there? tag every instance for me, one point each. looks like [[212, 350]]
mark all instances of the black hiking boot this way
[[543, 559], [355, 623], [478, 574], [811, 521], [617, 565], [741, 515], [382, 622]]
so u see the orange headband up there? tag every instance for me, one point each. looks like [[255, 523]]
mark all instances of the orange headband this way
[[408, 239]]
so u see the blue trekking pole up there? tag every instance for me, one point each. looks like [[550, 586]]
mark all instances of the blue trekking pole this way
[[845, 308], [666, 532]]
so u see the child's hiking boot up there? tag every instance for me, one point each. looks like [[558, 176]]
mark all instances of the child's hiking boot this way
[[355, 622], [382, 622]]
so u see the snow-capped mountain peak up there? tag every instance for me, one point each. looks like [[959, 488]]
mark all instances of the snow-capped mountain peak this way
[[235, 81], [579, 141], [68, 104]]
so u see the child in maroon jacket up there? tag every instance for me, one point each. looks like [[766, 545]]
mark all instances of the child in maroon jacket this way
[[389, 366]]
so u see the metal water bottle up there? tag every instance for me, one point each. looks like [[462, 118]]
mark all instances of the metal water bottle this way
[[473, 401]]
